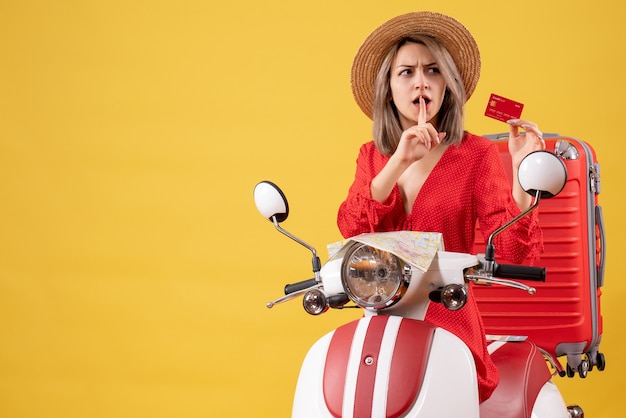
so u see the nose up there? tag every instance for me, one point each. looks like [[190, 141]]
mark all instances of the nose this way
[[421, 82]]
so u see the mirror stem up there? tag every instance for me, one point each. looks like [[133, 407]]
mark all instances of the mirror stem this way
[[490, 250], [317, 264]]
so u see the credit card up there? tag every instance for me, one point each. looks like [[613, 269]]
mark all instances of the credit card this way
[[503, 109]]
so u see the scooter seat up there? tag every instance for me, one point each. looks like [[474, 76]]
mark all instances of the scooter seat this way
[[523, 372]]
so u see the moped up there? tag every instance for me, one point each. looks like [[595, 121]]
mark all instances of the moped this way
[[391, 362]]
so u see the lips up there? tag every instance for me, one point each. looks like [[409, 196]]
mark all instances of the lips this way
[[417, 100]]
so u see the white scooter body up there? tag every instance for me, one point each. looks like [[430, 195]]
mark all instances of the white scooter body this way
[[449, 386], [449, 374]]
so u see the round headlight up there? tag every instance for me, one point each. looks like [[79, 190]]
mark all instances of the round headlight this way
[[374, 278]]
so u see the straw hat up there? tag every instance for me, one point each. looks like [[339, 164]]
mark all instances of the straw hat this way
[[450, 32]]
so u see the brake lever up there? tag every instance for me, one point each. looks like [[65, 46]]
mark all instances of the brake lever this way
[[290, 296], [488, 281]]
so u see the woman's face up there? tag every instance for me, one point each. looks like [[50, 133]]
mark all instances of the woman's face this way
[[415, 76]]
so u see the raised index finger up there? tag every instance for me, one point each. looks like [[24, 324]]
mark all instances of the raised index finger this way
[[421, 117]]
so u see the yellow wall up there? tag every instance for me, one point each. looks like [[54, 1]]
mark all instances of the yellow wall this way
[[134, 267]]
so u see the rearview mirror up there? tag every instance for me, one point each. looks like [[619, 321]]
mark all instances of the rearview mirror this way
[[271, 201], [544, 172]]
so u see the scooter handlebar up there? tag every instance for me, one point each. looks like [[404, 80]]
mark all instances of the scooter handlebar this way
[[296, 287], [517, 272]]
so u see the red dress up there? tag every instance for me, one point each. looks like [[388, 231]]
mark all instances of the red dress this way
[[467, 185]]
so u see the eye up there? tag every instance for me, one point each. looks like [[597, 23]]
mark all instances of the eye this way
[[433, 70], [406, 71]]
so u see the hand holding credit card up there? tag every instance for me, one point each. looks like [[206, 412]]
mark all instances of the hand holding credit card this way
[[503, 109]]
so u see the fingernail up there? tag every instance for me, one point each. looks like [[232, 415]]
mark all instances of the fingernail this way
[[512, 121]]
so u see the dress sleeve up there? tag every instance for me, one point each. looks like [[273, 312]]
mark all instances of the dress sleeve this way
[[360, 213], [496, 206]]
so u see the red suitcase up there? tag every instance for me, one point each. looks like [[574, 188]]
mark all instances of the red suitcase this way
[[563, 317]]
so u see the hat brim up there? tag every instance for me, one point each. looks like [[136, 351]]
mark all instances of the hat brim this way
[[454, 36]]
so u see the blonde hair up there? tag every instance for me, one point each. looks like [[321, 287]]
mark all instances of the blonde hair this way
[[386, 127]]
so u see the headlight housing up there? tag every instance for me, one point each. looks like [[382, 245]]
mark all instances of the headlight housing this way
[[374, 278]]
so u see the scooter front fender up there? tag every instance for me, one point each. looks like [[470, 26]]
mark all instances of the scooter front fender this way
[[378, 350]]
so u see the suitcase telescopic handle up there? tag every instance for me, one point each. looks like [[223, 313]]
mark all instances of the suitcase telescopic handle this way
[[517, 272], [602, 251]]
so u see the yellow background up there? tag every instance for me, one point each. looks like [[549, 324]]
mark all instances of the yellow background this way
[[134, 267]]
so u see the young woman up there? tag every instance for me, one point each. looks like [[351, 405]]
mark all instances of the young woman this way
[[422, 171]]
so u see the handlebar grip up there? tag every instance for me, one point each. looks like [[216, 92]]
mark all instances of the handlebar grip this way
[[295, 287], [517, 272]]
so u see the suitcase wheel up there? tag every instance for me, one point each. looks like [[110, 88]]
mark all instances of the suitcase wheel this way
[[596, 359], [585, 365], [600, 361], [582, 369]]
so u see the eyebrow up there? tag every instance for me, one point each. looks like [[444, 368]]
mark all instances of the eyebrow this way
[[433, 64]]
